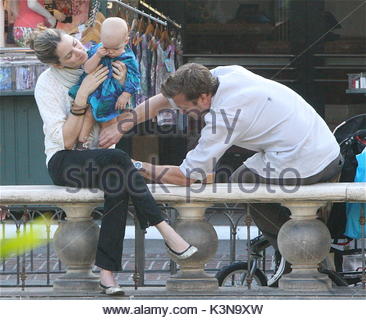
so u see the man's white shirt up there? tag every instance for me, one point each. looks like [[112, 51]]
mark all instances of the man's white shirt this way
[[265, 116]]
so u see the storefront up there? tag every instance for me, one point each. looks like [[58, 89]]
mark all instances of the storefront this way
[[311, 46]]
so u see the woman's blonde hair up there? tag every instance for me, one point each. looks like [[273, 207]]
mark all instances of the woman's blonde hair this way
[[44, 43]]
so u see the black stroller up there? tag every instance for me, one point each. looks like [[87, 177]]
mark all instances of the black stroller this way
[[351, 136]]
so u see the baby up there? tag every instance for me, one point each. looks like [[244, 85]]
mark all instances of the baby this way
[[111, 97]]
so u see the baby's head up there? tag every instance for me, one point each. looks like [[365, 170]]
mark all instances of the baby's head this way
[[114, 36]]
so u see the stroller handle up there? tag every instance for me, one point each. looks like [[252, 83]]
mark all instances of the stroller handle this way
[[360, 133]]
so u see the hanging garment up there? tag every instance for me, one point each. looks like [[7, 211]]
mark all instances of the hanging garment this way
[[152, 50], [138, 97], [21, 35], [103, 99], [133, 48], [65, 6], [178, 52], [138, 47], [76, 9], [165, 66], [149, 55], [144, 66], [131, 42]]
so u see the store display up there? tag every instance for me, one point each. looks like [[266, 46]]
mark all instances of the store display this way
[[357, 80], [155, 50], [25, 76], [6, 76]]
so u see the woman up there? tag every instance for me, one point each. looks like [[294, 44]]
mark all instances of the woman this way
[[110, 170], [29, 15]]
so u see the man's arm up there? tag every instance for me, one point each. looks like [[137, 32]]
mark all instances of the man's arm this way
[[169, 175], [200, 163], [126, 121], [165, 174]]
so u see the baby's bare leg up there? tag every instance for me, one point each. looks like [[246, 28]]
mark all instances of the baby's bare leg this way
[[87, 126]]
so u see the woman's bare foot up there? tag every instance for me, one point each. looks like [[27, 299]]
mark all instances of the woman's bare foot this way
[[107, 278], [171, 237]]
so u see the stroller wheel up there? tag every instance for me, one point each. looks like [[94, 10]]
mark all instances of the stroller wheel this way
[[235, 275]]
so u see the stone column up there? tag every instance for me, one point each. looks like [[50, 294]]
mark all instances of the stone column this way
[[192, 226], [304, 241], [75, 242]]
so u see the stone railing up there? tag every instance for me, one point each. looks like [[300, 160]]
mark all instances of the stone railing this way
[[304, 240]]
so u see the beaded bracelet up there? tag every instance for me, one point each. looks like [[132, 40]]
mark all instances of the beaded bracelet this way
[[78, 113], [76, 107]]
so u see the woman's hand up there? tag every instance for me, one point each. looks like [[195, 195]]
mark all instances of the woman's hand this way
[[93, 80], [119, 71]]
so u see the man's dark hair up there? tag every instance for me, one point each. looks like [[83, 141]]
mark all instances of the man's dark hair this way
[[192, 80]]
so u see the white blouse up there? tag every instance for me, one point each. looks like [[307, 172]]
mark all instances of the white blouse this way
[[53, 101]]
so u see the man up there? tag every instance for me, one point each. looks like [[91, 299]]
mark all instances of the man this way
[[294, 145]]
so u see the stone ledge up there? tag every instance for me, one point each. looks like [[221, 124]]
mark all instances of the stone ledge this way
[[152, 293], [221, 192]]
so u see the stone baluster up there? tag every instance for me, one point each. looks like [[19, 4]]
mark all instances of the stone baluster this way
[[304, 241], [75, 242], [193, 227]]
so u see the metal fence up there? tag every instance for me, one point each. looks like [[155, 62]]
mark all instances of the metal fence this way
[[40, 267]]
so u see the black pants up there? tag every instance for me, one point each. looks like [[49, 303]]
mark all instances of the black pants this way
[[269, 217], [112, 171]]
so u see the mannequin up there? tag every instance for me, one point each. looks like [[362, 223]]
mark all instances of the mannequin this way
[[29, 15]]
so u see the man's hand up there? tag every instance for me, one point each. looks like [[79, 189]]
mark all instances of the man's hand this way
[[102, 52], [122, 101], [210, 178], [109, 135]]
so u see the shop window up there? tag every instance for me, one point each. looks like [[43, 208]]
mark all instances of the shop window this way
[[237, 26], [345, 23]]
